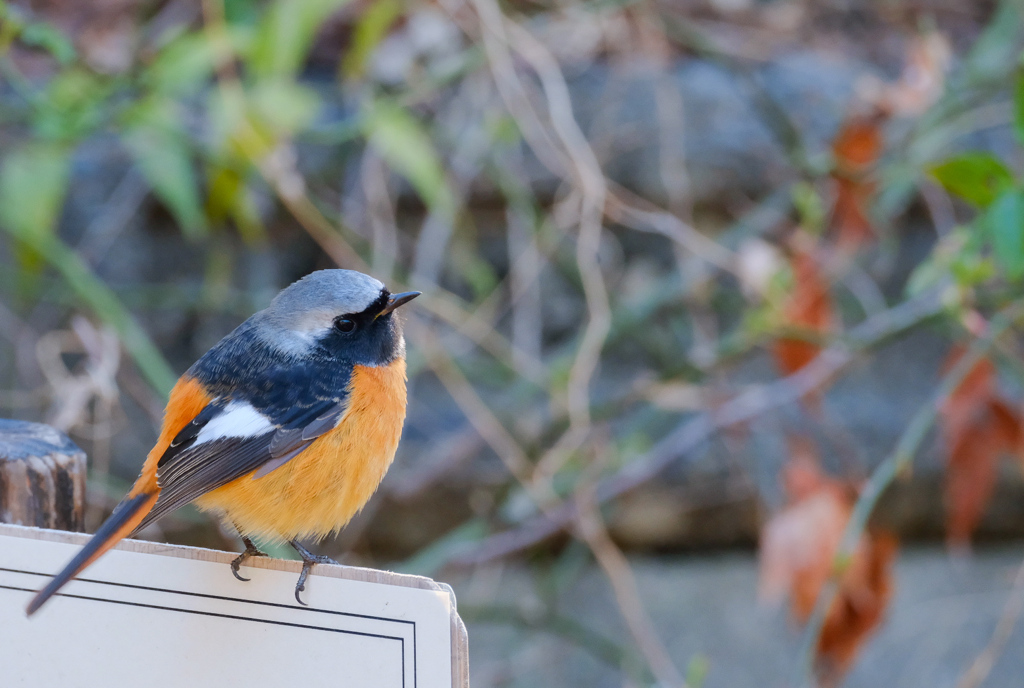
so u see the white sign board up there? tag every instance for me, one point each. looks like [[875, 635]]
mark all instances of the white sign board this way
[[164, 616]]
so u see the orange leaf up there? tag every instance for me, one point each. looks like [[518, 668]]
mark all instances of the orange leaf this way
[[979, 428], [970, 398], [850, 221], [809, 308], [858, 145], [856, 149], [864, 594], [798, 549]]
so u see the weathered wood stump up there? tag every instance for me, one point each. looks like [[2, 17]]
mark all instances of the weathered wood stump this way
[[42, 477]]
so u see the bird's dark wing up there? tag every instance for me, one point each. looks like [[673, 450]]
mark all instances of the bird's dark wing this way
[[231, 438]]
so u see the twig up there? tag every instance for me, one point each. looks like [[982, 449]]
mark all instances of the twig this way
[[442, 457], [694, 431], [632, 211], [986, 659], [438, 226], [475, 410], [524, 288], [101, 233], [593, 192], [613, 562], [583, 636], [380, 214]]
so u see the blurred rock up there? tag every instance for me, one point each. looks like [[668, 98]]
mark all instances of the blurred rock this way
[[733, 126]]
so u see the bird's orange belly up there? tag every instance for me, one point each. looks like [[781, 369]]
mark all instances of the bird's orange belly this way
[[321, 489]]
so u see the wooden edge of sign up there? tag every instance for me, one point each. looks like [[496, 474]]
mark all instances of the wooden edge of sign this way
[[460, 638]]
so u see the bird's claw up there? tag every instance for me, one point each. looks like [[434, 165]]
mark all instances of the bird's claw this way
[[308, 560], [301, 585], [234, 570], [251, 550]]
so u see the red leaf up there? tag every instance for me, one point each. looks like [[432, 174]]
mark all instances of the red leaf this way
[[971, 397], [858, 145], [856, 150], [971, 471], [864, 594], [979, 428], [798, 549], [809, 308], [850, 221]]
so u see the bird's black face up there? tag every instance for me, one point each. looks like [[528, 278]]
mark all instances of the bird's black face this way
[[372, 337]]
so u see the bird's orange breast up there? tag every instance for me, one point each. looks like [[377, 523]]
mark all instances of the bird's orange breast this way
[[321, 489]]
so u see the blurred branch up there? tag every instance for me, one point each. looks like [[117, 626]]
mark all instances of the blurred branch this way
[[566, 627], [278, 166], [636, 213], [475, 410], [591, 530], [986, 659], [593, 191], [696, 430], [621, 206]]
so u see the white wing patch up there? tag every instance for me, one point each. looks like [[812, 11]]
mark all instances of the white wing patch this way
[[238, 419]]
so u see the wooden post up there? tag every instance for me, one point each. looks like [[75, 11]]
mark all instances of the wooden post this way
[[42, 477]]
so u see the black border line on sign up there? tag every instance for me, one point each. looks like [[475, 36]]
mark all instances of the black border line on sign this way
[[230, 616], [413, 623]]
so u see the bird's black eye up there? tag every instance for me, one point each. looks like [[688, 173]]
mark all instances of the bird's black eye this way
[[345, 325]]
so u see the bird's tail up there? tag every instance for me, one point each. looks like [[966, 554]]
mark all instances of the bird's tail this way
[[127, 515]]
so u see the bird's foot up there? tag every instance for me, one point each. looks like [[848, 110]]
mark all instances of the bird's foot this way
[[251, 550], [308, 559]]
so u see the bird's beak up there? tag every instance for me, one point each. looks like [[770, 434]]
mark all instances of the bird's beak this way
[[397, 300]]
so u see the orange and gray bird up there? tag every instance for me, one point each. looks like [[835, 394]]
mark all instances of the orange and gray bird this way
[[284, 428]]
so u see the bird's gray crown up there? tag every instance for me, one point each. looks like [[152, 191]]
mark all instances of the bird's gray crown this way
[[306, 309]]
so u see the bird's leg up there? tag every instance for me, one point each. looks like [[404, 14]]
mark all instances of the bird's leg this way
[[251, 550], [308, 559]]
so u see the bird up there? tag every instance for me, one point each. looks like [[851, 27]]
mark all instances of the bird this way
[[284, 428]]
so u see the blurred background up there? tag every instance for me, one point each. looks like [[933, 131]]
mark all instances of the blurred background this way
[[716, 379]]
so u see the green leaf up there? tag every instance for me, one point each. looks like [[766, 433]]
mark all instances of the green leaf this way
[[159, 147], [285, 106], [1005, 223], [286, 34], [809, 207], [369, 32], [229, 197], [183, 65], [994, 52], [72, 106], [971, 269], [167, 166], [405, 145], [33, 181], [15, 24], [40, 35], [241, 12], [697, 671], [226, 113], [976, 177]]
